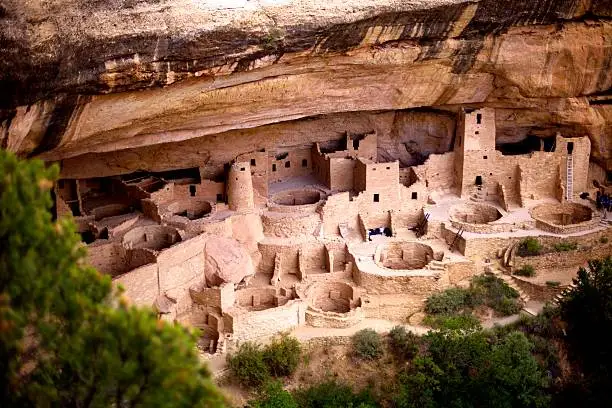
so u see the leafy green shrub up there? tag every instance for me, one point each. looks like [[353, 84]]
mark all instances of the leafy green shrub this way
[[526, 270], [282, 355], [529, 247], [247, 365], [495, 293], [565, 246], [464, 321], [367, 344], [404, 344], [332, 394], [450, 301], [603, 240], [553, 284], [272, 395]]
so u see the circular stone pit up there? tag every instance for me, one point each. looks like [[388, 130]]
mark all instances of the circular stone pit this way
[[191, 209], [403, 255], [474, 213], [563, 218], [297, 197], [155, 237]]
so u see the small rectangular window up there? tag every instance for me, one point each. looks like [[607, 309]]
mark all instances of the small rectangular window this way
[[192, 190], [287, 164], [219, 198], [414, 195], [479, 118], [477, 132], [252, 162], [485, 157], [274, 167], [242, 169], [388, 168], [304, 163], [376, 198]]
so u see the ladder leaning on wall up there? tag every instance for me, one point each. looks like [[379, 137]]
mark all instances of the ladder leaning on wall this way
[[569, 187]]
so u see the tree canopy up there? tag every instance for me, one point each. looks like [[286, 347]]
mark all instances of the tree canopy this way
[[67, 338]]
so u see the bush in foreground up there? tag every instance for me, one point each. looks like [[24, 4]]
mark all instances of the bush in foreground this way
[[332, 394], [527, 271], [282, 355], [529, 247], [403, 344], [272, 395], [247, 365], [450, 301], [367, 344]]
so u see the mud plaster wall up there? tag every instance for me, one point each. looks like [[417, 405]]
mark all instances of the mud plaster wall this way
[[396, 308], [288, 254], [339, 209], [222, 297], [320, 166], [438, 171], [252, 325], [341, 174], [290, 226], [290, 166], [141, 285], [240, 187], [409, 285], [312, 257], [259, 171]]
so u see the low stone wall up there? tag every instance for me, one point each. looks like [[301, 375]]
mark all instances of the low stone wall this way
[[563, 218], [252, 325], [411, 284], [278, 226], [319, 318], [542, 293], [574, 258], [394, 308]]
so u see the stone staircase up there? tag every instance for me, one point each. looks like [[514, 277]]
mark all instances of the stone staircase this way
[[604, 222], [491, 270], [564, 293]]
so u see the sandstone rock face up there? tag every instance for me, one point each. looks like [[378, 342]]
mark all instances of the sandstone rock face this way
[[146, 81], [226, 261]]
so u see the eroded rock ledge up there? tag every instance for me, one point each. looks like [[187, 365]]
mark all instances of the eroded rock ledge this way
[[136, 76]]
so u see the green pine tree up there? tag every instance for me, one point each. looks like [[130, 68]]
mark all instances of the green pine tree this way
[[67, 339]]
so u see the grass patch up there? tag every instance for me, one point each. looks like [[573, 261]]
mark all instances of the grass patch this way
[[565, 246], [453, 308], [526, 270], [529, 247], [463, 321]]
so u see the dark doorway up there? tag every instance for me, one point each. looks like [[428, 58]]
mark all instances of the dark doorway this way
[[376, 198], [570, 147], [478, 180], [192, 190]]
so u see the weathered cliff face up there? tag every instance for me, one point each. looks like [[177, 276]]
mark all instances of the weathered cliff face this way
[[125, 84]]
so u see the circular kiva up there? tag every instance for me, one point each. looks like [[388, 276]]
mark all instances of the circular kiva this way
[[156, 237], [474, 213], [191, 209], [297, 197], [562, 214]]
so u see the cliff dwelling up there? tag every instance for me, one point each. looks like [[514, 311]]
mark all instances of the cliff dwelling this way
[[253, 168], [325, 233]]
